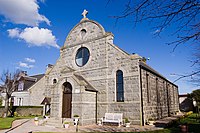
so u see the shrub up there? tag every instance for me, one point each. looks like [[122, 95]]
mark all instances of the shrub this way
[[66, 122], [188, 113], [76, 115], [126, 120], [151, 119], [16, 114]]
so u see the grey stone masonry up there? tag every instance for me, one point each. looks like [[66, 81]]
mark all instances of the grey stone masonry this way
[[160, 96], [94, 89]]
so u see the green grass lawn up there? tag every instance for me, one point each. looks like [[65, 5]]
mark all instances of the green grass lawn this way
[[6, 123]]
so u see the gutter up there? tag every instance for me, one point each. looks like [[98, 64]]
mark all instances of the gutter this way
[[151, 70]]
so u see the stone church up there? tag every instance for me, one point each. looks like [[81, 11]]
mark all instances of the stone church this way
[[93, 76]]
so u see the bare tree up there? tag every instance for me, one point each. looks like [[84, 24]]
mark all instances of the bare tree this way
[[197, 66], [181, 16], [10, 84]]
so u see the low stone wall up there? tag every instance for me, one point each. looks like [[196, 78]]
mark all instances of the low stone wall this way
[[25, 110], [1, 111]]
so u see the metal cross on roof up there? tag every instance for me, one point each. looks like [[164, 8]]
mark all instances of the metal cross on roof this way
[[85, 12]]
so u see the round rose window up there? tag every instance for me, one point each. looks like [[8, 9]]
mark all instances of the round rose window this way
[[82, 56]]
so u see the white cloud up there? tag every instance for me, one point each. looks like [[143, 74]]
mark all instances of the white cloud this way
[[25, 65], [22, 12], [13, 32], [35, 36], [30, 60]]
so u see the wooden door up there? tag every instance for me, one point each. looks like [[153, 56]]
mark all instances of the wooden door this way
[[67, 100]]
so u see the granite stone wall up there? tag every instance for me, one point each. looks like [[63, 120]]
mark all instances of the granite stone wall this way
[[160, 97], [25, 111]]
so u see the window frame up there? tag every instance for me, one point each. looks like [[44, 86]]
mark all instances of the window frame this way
[[54, 81], [119, 86], [148, 87], [84, 56]]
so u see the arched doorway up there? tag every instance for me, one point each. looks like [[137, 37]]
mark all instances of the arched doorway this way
[[67, 100]]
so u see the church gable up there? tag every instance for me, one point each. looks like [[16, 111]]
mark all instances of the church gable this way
[[85, 46], [85, 31]]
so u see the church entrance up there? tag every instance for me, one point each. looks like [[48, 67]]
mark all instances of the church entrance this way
[[67, 100]]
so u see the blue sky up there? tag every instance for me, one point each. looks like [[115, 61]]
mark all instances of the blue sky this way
[[32, 31]]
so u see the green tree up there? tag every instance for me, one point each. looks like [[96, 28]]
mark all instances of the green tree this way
[[196, 95]]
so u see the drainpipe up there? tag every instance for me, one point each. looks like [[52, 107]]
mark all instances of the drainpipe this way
[[96, 110], [142, 110], [168, 110]]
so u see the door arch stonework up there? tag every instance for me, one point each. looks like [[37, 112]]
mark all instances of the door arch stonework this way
[[67, 100]]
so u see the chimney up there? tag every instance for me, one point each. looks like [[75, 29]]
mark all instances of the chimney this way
[[23, 73], [48, 68]]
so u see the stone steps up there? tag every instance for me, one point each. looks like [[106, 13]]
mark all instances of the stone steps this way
[[58, 122], [165, 122], [54, 122]]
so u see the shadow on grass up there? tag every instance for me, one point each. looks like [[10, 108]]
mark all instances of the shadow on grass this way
[[192, 123], [195, 128]]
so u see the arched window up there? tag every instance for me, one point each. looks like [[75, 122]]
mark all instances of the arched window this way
[[120, 86], [54, 81], [83, 32]]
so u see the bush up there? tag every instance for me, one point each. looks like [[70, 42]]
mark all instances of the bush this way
[[76, 115], [189, 113], [126, 120], [151, 119], [66, 122], [16, 114]]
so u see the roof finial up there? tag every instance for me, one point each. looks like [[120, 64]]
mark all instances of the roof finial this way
[[85, 12]]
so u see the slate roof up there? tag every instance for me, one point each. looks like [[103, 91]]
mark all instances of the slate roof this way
[[145, 66], [46, 100], [88, 86], [148, 68], [31, 80]]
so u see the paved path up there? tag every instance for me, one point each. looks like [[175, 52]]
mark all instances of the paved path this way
[[133, 128], [28, 126]]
